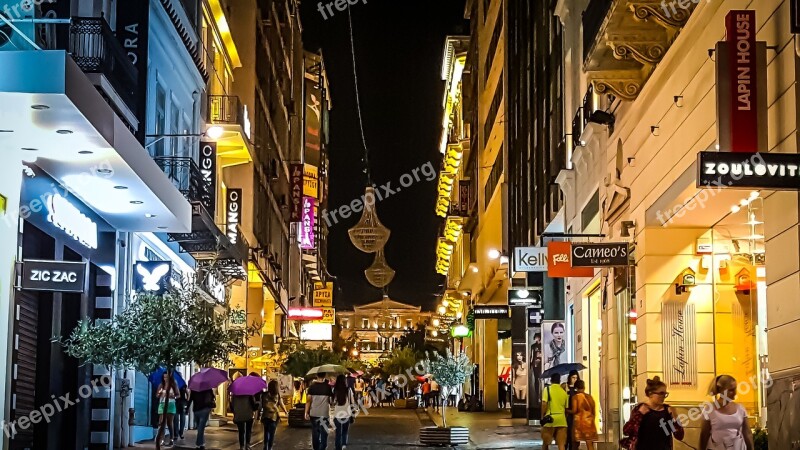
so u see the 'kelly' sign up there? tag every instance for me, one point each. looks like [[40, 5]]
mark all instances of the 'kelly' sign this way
[[53, 276], [530, 259]]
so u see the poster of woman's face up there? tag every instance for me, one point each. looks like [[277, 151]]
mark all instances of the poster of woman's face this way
[[554, 345]]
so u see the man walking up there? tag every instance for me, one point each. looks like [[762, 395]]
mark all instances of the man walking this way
[[554, 405], [318, 411], [435, 394], [359, 389]]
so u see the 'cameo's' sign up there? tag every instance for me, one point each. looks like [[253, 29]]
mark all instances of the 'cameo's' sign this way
[[759, 170], [53, 276], [600, 255]]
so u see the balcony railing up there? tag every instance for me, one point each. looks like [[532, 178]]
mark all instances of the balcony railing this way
[[225, 109], [593, 19], [186, 176]]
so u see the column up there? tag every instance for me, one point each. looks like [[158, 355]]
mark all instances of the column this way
[[490, 365]]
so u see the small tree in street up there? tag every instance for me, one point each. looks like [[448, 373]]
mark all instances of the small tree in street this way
[[450, 371]]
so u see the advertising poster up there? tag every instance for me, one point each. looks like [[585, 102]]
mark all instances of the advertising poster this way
[[313, 125], [520, 362], [535, 370], [554, 343]]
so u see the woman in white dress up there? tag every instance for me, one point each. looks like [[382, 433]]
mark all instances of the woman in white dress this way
[[726, 426]]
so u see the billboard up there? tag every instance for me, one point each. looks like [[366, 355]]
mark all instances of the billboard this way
[[296, 191], [323, 294], [307, 225], [316, 332], [313, 123], [554, 344]]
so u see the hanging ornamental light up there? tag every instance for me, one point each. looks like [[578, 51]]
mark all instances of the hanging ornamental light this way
[[369, 235], [379, 274]]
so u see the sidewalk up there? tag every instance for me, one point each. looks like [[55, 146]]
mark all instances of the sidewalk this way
[[225, 437], [491, 430]]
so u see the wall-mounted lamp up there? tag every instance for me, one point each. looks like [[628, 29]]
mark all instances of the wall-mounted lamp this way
[[632, 161], [602, 118], [625, 228], [678, 99], [655, 130]]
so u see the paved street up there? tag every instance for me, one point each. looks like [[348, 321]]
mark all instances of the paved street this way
[[386, 428]]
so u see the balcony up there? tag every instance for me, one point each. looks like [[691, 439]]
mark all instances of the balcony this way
[[229, 113], [624, 40], [207, 241]]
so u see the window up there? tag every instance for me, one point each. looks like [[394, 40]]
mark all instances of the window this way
[[409, 324], [364, 324], [346, 324], [159, 148], [175, 127]]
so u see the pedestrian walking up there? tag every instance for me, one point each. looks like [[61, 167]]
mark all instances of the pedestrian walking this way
[[502, 392], [318, 411], [202, 403], [299, 395], [726, 426], [343, 403], [653, 423], [271, 403], [582, 410], [569, 386], [554, 406], [166, 393], [243, 408], [359, 388], [181, 411], [435, 394], [426, 393]]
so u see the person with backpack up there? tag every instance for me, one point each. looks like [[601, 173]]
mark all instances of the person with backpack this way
[[202, 403], [270, 415], [243, 408], [653, 423], [344, 403]]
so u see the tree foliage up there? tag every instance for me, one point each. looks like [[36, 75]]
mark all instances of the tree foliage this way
[[178, 327], [303, 359], [400, 360], [449, 370]]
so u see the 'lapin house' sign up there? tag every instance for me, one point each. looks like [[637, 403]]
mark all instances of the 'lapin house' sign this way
[[742, 161]]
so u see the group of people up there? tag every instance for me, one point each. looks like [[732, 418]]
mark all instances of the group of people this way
[[569, 418], [431, 394], [324, 405], [173, 408]]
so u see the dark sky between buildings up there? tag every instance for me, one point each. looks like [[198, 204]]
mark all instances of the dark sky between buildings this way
[[399, 48]]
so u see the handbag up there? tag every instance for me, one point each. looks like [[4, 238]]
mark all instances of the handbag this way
[[548, 418]]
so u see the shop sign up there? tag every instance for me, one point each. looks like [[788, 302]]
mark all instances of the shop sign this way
[[307, 225], [67, 217], [328, 316], [323, 294], [234, 214], [214, 286], [208, 172], [607, 254], [491, 312], [313, 122], [530, 259], [559, 262], [316, 332], [132, 31], [296, 186], [53, 276], [756, 171], [305, 313], [152, 276], [678, 331], [310, 181], [525, 296], [741, 85]]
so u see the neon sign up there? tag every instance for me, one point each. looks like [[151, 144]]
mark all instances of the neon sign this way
[[65, 216]]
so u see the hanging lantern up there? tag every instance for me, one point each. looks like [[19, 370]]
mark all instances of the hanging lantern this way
[[379, 274], [369, 235]]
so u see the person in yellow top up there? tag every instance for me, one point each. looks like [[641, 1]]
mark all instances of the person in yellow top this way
[[554, 407], [299, 396]]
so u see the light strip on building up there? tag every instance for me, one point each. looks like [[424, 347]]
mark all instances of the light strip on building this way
[[225, 32]]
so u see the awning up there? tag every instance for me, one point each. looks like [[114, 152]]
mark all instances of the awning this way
[[53, 111]]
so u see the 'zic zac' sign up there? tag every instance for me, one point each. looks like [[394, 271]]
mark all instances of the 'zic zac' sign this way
[[53, 276]]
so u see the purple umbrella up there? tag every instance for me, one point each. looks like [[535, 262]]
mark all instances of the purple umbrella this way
[[248, 385], [207, 378]]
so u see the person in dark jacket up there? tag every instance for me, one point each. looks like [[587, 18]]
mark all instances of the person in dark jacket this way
[[181, 411], [244, 407], [202, 402]]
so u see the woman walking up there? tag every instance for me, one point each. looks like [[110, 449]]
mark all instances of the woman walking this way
[[167, 393], [243, 407], [582, 407], [202, 403], [270, 416], [343, 403], [653, 423], [571, 389], [726, 426]]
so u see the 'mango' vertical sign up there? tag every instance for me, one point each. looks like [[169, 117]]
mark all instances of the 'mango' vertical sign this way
[[741, 85]]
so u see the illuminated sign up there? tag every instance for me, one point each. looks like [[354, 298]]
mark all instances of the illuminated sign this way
[[53, 276], [559, 262], [152, 276], [316, 332], [310, 181], [323, 294], [305, 313], [491, 312], [307, 225], [71, 220], [234, 213], [246, 122], [460, 331], [328, 316], [608, 254], [759, 170], [530, 259], [208, 170], [296, 191]]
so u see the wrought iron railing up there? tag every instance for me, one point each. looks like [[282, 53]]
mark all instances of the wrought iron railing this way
[[593, 19], [187, 177], [226, 109], [95, 49]]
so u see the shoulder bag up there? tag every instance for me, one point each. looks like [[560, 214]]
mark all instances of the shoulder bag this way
[[548, 418]]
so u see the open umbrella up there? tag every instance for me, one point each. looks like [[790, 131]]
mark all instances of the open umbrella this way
[[207, 378], [562, 369], [155, 377], [327, 368], [248, 385]]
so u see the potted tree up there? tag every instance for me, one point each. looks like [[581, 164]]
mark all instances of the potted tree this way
[[450, 371]]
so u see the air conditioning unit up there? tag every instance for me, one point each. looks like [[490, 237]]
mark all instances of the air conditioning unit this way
[[13, 37]]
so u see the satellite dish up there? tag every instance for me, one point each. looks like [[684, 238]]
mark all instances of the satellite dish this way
[[5, 32]]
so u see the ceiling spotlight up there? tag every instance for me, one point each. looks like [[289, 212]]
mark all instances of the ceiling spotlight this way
[[744, 202], [162, 228], [121, 188], [29, 149], [64, 131], [445, 303], [85, 152], [136, 202], [735, 209], [474, 269], [494, 253], [105, 171], [754, 195], [523, 293], [6, 131], [215, 132], [442, 310], [40, 107], [150, 216]]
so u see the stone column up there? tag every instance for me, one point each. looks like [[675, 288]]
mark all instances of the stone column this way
[[490, 400]]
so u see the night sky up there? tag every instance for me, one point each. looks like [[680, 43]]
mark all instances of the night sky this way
[[399, 47]]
